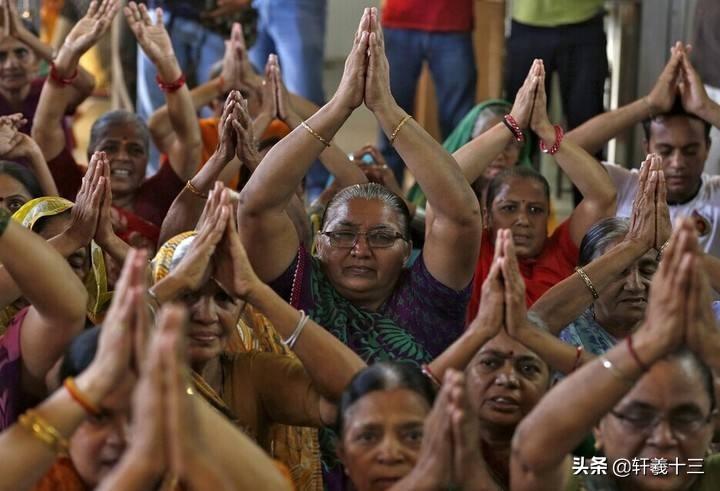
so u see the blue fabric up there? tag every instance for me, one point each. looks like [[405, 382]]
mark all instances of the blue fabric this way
[[586, 332], [197, 50], [295, 31], [452, 65]]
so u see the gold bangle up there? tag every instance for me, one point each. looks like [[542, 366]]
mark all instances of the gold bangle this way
[[581, 272], [616, 372], [314, 133], [191, 187], [43, 431], [398, 127]]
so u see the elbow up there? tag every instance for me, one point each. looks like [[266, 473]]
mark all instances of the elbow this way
[[469, 218]]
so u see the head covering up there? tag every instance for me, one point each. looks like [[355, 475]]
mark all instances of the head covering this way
[[463, 133], [170, 254], [96, 282]]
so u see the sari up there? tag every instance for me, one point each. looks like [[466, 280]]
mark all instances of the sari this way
[[252, 340], [95, 281]]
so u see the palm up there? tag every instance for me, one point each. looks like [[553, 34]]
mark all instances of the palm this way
[[6, 139], [155, 42], [83, 36]]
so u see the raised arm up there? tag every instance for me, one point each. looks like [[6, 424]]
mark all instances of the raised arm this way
[[452, 240], [83, 85], [56, 97], [57, 311], [693, 94], [267, 231], [565, 416], [184, 153]]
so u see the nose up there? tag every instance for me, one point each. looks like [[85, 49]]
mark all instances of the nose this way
[[203, 311], [675, 160], [117, 437], [633, 281], [662, 435], [507, 377], [362, 247], [10, 61], [389, 451], [522, 218]]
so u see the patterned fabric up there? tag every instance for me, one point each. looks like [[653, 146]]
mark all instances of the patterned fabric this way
[[95, 283], [10, 370], [62, 476], [295, 446], [586, 332], [419, 321]]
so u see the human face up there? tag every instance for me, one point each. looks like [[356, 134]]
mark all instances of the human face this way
[[381, 437], [681, 142], [18, 64], [125, 149], [505, 381], [79, 260], [364, 275], [99, 442], [12, 193], [521, 205], [674, 390], [213, 316], [623, 301]]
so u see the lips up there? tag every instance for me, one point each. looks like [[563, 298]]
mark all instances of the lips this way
[[204, 336], [120, 172], [359, 271], [504, 403]]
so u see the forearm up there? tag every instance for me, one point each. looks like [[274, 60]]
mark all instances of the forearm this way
[[260, 124], [183, 215], [39, 166], [592, 135], [435, 170], [346, 172], [565, 301], [556, 353], [711, 113], [316, 348], [204, 475], [284, 167], [475, 156], [116, 248], [60, 296], [131, 474], [459, 354], [247, 466], [712, 268], [303, 107]]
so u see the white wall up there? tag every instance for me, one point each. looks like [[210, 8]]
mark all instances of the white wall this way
[[342, 21]]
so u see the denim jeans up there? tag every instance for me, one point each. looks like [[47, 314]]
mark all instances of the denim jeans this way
[[452, 65], [197, 50], [295, 31]]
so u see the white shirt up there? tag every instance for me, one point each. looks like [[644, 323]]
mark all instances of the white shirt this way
[[704, 208]]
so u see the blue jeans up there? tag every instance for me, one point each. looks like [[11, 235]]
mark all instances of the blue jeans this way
[[295, 31], [452, 65], [197, 50]]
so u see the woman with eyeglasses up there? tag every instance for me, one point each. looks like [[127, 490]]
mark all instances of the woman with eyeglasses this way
[[357, 285], [650, 403]]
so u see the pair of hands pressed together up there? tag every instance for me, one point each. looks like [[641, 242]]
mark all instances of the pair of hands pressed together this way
[[530, 107], [13, 143], [237, 72], [237, 138], [275, 99], [650, 221]]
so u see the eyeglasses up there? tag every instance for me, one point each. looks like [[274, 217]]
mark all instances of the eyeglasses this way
[[377, 239], [681, 424]]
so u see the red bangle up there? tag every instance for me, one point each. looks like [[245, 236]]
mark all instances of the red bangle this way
[[428, 373], [559, 133], [55, 76], [634, 354], [80, 398], [514, 128], [172, 86], [578, 354]]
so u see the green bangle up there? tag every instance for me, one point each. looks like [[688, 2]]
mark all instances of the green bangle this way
[[4, 220]]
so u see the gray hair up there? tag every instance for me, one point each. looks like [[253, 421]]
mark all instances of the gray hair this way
[[370, 191], [492, 111], [600, 236], [116, 118]]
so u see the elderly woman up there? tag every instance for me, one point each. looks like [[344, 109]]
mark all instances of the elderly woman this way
[[139, 203], [210, 274], [519, 198], [357, 286], [649, 402]]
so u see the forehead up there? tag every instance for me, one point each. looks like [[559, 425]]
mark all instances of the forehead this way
[[668, 384], [363, 213], [395, 406], [677, 130], [55, 225], [129, 132], [10, 186], [506, 346], [517, 188], [485, 121]]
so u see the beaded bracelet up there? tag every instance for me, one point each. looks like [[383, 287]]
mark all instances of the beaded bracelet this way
[[171, 86], [58, 79], [395, 132], [43, 431], [82, 400], [581, 272], [559, 133], [314, 133], [514, 128]]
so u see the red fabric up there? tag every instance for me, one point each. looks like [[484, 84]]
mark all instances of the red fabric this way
[[139, 226], [428, 15], [556, 262]]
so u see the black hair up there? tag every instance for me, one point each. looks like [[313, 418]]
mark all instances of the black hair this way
[[115, 118], [371, 191], [42, 222], [520, 171], [676, 110], [80, 353], [385, 375], [600, 236], [23, 175]]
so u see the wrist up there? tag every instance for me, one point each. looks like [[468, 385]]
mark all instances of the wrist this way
[[66, 63], [336, 108], [93, 383], [169, 288], [649, 347], [546, 132], [255, 294], [168, 69]]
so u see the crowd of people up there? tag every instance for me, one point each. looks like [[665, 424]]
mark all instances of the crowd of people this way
[[207, 328]]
